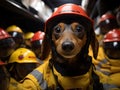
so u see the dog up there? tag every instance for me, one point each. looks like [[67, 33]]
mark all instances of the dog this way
[[69, 46], [68, 41], [68, 35]]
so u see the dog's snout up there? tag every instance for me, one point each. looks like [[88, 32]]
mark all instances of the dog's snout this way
[[67, 46]]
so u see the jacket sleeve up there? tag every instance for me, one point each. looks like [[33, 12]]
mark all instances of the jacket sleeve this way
[[29, 83]]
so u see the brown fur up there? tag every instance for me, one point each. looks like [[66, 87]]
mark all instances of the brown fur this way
[[69, 35]]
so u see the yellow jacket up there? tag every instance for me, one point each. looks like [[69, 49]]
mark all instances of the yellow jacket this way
[[112, 68], [109, 67], [14, 85], [42, 78], [100, 56]]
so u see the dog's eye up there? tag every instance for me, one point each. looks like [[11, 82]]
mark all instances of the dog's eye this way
[[79, 28], [57, 29], [79, 31]]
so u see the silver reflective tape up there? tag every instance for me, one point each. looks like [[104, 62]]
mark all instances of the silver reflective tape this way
[[109, 86], [39, 77], [102, 62], [98, 67]]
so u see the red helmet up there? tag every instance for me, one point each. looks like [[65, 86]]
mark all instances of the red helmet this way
[[106, 16], [36, 42], [69, 11], [111, 44], [3, 34], [112, 36], [2, 63], [6, 43], [39, 35], [107, 22]]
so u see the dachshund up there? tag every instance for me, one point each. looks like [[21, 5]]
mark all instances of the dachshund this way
[[67, 42]]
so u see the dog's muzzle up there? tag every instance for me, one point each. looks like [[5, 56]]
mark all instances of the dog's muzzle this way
[[67, 46]]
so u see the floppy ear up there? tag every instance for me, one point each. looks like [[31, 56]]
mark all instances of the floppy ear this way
[[94, 44], [45, 48]]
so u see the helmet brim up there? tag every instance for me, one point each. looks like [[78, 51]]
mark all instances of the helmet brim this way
[[68, 18], [2, 63]]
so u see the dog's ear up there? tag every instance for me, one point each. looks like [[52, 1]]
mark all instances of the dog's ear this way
[[45, 48], [94, 44]]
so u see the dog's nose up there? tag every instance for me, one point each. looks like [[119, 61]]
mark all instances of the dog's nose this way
[[67, 46]]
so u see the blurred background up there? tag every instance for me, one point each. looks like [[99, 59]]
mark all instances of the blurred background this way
[[30, 15]]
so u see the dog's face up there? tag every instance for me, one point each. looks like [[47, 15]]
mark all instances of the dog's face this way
[[69, 38]]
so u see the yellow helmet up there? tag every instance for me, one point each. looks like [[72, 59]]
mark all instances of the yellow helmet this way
[[14, 28], [29, 35], [23, 55]]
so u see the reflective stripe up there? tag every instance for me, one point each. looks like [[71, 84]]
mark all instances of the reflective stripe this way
[[104, 72], [109, 86], [102, 62], [39, 77], [98, 67]]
